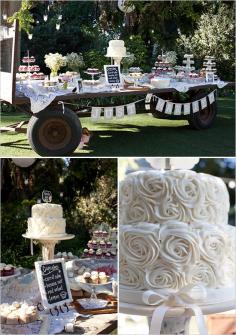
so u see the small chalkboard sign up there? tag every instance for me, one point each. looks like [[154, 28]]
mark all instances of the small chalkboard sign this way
[[47, 196], [112, 74], [53, 283]]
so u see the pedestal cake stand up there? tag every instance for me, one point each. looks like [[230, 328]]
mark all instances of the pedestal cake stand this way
[[48, 243], [177, 319]]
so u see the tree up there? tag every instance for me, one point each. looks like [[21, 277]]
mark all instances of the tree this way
[[214, 36]]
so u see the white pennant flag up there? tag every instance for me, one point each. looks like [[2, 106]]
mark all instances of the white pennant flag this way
[[169, 107], [187, 108], [160, 105], [148, 98], [120, 111], [96, 113], [108, 113], [204, 103], [211, 97], [177, 110], [131, 109], [195, 106]]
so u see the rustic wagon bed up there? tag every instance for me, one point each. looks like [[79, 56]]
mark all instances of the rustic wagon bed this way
[[56, 130]]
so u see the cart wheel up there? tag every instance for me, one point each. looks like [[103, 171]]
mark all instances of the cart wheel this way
[[52, 133], [205, 118]]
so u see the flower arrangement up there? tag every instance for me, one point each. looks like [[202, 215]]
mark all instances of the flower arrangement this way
[[55, 62], [171, 57], [75, 61]]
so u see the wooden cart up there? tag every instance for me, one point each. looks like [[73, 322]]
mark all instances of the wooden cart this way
[[54, 132]]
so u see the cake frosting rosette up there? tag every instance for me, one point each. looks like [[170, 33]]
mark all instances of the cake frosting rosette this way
[[174, 232]]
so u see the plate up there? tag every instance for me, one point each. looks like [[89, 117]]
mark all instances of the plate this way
[[87, 303]]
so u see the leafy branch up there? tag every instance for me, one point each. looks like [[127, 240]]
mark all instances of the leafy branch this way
[[24, 16]]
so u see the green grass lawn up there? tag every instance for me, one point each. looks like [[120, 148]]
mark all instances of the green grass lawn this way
[[141, 135]]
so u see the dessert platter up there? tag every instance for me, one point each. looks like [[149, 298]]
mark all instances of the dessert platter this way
[[9, 271], [176, 249]]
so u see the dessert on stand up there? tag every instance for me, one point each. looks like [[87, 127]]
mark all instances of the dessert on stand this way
[[172, 247], [29, 71], [47, 227]]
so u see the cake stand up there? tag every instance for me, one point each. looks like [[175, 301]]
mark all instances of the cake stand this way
[[48, 243], [176, 321]]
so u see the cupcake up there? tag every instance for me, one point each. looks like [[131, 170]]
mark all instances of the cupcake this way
[[94, 277], [58, 255], [94, 244], [8, 270], [87, 277], [99, 254], [108, 255], [70, 255], [91, 252], [108, 244], [104, 252], [90, 244], [102, 278], [113, 254], [64, 255], [100, 233], [104, 233], [96, 233], [85, 253], [102, 244]]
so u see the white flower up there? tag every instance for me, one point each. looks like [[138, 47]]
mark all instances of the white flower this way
[[75, 61], [212, 244], [202, 273], [137, 211], [55, 61], [153, 185], [179, 244], [139, 245], [131, 276], [164, 276]]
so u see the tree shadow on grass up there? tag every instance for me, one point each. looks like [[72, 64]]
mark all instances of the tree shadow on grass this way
[[132, 140], [17, 144]]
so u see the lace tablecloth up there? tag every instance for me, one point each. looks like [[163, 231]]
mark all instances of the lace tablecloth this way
[[40, 98]]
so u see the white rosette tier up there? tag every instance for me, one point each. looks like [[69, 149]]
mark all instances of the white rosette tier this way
[[172, 256], [187, 196], [46, 220], [174, 234]]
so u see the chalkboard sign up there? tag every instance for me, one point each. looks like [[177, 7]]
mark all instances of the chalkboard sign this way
[[53, 283], [112, 73], [46, 196]]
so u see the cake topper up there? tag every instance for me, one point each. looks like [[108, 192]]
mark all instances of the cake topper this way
[[47, 196]]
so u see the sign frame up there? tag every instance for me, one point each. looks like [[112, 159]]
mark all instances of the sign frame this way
[[106, 75], [42, 289]]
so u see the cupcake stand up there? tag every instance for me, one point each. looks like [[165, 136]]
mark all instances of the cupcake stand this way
[[176, 320]]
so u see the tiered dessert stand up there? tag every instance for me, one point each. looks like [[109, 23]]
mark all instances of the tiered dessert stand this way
[[209, 66], [48, 243]]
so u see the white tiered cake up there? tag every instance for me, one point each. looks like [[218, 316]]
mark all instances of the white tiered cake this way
[[47, 220], [116, 49], [174, 233]]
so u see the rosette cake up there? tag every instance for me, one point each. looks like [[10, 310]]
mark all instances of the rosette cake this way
[[47, 220], [174, 233]]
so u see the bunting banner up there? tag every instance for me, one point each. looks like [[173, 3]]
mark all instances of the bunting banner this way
[[172, 108], [117, 111]]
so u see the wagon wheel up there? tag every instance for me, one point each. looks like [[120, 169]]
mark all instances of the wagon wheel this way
[[205, 117], [54, 133]]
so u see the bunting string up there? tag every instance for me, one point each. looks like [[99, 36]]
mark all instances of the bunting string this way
[[163, 106], [174, 108]]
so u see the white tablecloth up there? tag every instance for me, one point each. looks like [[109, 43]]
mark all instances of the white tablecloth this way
[[40, 98]]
